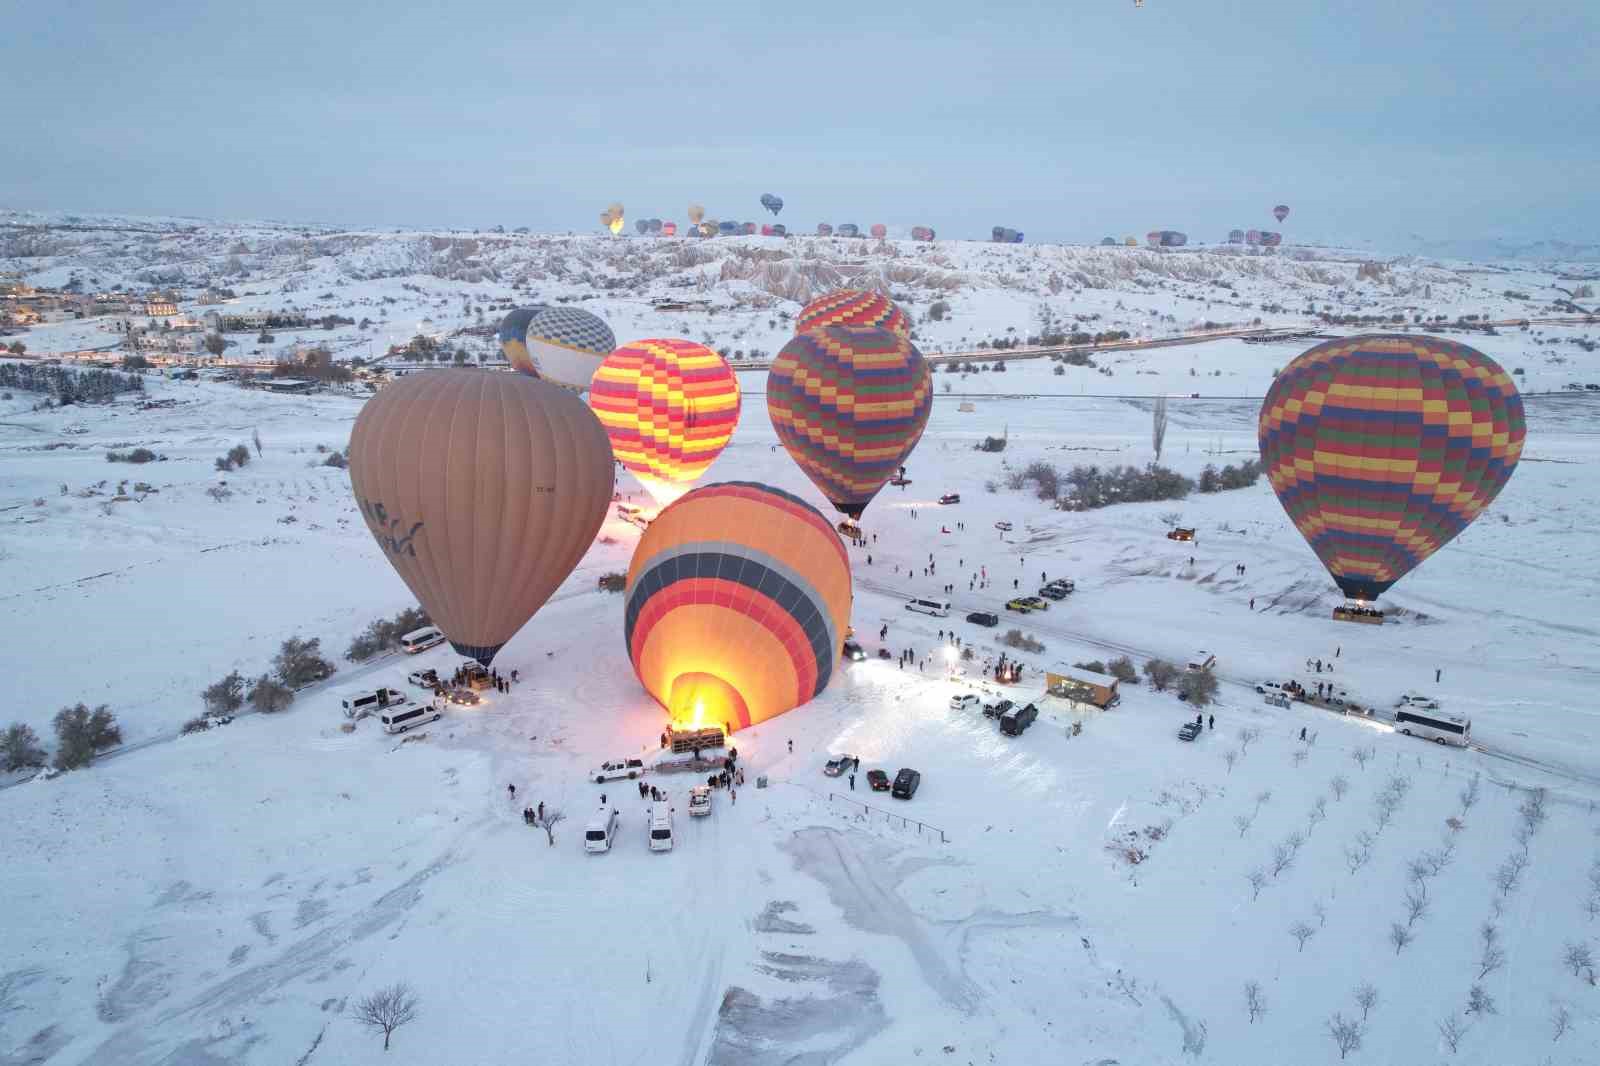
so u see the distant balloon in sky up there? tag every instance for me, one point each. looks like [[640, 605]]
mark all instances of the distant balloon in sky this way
[[1280, 212], [737, 605], [879, 230], [771, 203], [853, 307], [1130, 242], [697, 213], [1107, 242], [824, 229], [669, 407], [848, 229], [669, 229], [922, 233], [484, 490], [1383, 448], [565, 345], [641, 226]]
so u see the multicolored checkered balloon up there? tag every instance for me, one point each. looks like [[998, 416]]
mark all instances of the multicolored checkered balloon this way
[[1383, 448], [853, 307]]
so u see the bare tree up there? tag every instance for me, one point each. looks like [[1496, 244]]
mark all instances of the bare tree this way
[[1358, 854], [1439, 858], [1581, 959], [1230, 757], [1254, 1002], [1346, 1033], [1560, 1021], [1509, 876], [1298, 758], [255, 437], [1451, 1030], [1362, 756], [1320, 912], [1339, 787], [1399, 936], [1493, 955], [1416, 907], [1263, 798], [1158, 425], [1480, 1002], [1296, 841], [1282, 857], [1242, 822], [1319, 811], [1248, 737], [1302, 931], [1469, 795], [1417, 873], [552, 817], [387, 1009], [1366, 998], [1257, 879]]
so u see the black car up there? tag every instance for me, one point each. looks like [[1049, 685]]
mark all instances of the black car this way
[[853, 652], [984, 618], [1189, 731], [997, 709], [905, 784], [878, 781], [1014, 722], [950, 497]]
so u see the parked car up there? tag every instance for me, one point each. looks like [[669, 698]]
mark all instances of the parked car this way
[[699, 801], [1004, 527], [984, 618], [1057, 590], [840, 765], [1419, 701], [610, 771], [465, 697], [878, 781], [1202, 660], [853, 651], [1592, 387], [965, 701], [1020, 605], [950, 497], [1271, 688], [423, 678], [1180, 534], [420, 640], [1189, 731], [1016, 721], [906, 783], [600, 831], [1036, 603], [997, 708]]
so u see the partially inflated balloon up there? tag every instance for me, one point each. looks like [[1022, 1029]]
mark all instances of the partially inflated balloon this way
[[565, 345], [737, 605], [853, 307], [849, 404], [669, 407], [484, 490], [1383, 448]]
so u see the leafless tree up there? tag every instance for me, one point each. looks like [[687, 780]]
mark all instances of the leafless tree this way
[[1339, 786], [1560, 1021], [1493, 955], [387, 1009], [1399, 784], [1469, 795], [1302, 931], [1242, 822], [1158, 425], [1254, 1002], [1451, 1030], [1248, 737], [552, 817], [1346, 1033], [1366, 998], [1263, 798], [1321, 914], [1298, 758], [1417, 873], [1416, 907], [1362, 756], [1257, 879], [1581, 959], [1296, 841], [1399, 936], [1439, 858], [1509, 876], [1387, 802], [1480, 1002], [1532, 809], [1319, 811], [1282, 857], [1230, 757], [255, 437], [1358, 854]]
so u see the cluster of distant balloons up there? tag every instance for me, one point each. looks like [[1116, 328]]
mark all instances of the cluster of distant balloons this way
[[486, 489]]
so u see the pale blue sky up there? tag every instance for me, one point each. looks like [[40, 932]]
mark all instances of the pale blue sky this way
[[1069, 120]]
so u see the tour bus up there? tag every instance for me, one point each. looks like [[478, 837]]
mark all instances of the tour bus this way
[[937, 608], [1436, 726], [421, 640], [401, 719]]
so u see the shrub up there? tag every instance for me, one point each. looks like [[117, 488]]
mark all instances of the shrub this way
[[1123, 670], [268, 696], [1016, 638], [614, 582], [336, 459], [385, 633], [938, 309], [300, 662], [1160, 673], [138, 455], [239, 455], [1089, 487], [993, 444], [1094, 665], [225, 696], [198, 724], [1199, 687], [19, 748], [1230, 476], [80, 733], [1046, 479]]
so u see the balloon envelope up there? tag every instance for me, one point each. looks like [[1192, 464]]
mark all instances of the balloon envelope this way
[[513, 335], [853, 307], [849, 404], [824, 229], [669, 229], [1383, 448], [1280, 212], [771, 203], [484, 490], [669, 407], [922, 233], [879, 230], [696, 213], [737, 605], [565, 345]]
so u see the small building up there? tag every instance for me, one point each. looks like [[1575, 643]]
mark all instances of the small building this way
[[1081, 686], [289, 385], [159, 308]]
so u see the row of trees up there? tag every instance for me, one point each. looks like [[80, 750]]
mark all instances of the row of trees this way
[[1086, 488], [65, 386], [81, 733], [384, 633], [299, 662]]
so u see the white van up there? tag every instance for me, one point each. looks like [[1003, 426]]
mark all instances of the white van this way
[[400, 719], [357, 703], [1202, 660], [937, 608], [421, 640], [601, 830], [661, 827]]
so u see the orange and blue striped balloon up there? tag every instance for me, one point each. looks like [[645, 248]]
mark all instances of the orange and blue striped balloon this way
[[1384, 448], [853, 307], [849, 404], [669, 407], [737, 605]]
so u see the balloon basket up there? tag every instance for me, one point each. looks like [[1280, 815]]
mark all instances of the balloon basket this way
[[1359, 613]]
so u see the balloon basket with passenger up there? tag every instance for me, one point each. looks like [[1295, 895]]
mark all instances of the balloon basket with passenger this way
[[1358, 611]]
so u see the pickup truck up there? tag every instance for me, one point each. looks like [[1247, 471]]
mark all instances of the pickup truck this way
[[1189, 731]]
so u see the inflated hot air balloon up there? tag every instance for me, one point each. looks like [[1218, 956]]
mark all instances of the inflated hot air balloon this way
[[728, 229], [848, 229], [616, 225], [780, 230], [737, 605], [697, 213], [1130, 242], [922, 233], [853, 307], [605, 219], [849, 404], [879, 230], [1280, 212], [513, 335], [669, 407], [748, 229], [1236, 236], [641, 226], [484, 490], [1269, 239], [771, 203], [565, 345], [824, 229], [1383, 448], [1252, 237], [708, 228], [1108, 242], [669, 229]]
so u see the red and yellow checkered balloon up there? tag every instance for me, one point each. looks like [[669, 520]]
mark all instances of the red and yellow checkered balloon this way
[[853, 307]]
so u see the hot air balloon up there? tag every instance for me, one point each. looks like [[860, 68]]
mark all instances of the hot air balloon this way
[[669, 407], [1382, 448], [616, 225], [708, 228], [748, 229], [513, 334], [1236, 236], [848, 229], [1252, 237], [780, 230], [879, 230], [824, 229], [655, 225], [766, 231], [565, 345], [1280, 212], [1130, 242], [771, 203], [605, 219], [849, 404], [728, 229], [641, 226], [697, 213], [484, 490], [1005, 235], [1108, 242], [669, 229], [853, 307], [737, 605], [1269, 239], [922, 233]]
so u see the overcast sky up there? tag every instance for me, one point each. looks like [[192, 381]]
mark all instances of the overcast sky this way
[[1069, 120]]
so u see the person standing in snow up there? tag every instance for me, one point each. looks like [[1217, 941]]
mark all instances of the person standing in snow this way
[[852, 782], [1213, 722], [791, 747], [512, 789]]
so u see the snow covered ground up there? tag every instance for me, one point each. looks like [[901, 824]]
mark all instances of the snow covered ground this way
[[225, 897]]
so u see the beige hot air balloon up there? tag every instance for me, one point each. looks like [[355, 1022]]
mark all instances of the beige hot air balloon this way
[[605, 219], [696, 213], [484, 490]]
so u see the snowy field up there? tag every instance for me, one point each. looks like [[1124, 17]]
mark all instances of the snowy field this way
[[225, 897]]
